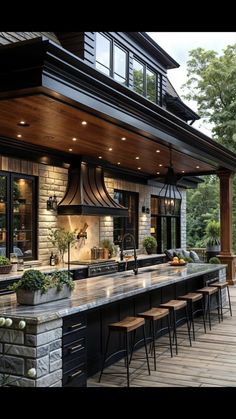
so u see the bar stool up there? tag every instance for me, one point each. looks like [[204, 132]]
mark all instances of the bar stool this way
[[191, 298], [126, 326], [208, 292], [221, 286], [153, 315], [173, 306]]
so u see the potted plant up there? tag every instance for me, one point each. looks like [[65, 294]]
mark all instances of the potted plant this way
[[5, 265], [108, 248], [36, 288], [150, 244], [62, 239], [212, 239]]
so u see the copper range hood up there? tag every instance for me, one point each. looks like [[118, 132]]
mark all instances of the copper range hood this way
[[86, 194]]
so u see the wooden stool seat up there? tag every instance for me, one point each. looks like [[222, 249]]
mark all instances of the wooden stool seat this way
[[191, 296], [174, 304], [220, 285], [155, 313], [127, 324], [208, 290]]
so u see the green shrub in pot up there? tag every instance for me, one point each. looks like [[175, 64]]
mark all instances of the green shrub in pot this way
[[150, 244], [4, 261], [5, 265]]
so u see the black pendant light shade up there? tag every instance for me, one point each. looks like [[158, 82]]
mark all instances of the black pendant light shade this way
[[169, 195]]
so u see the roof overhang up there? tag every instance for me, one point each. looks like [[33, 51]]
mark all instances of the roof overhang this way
[[41, 67]]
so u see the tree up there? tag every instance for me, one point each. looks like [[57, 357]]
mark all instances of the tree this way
[[202, 207], [212, 84]]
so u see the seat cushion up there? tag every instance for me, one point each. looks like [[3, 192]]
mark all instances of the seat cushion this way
[[194, 256], [169, 253]]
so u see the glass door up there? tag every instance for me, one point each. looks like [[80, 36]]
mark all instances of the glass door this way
[[23, 216], [3, 215]]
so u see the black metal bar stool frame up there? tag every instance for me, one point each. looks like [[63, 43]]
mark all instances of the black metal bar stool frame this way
[[126, 350]]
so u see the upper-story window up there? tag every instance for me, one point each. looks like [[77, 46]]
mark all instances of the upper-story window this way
[[111, 59], [144, 80]]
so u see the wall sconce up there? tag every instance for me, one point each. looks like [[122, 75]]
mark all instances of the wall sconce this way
[[145, 210], [152, 230], [52, 203]]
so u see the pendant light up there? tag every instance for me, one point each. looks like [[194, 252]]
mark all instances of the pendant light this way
[[169, 195]]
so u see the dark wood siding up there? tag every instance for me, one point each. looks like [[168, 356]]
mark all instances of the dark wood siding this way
[[81, 44], [10, 37]]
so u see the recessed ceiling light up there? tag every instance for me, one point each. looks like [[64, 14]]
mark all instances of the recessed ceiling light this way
[[123, 138], [19, 135], [70, 149], [160, 165], [197, 167], [137, 158], [84, 123], [74, 139], [110, 149], [23, 124], [118, 163], [100, 157], [158, 173], [157, 151], [183, 171], [139, 168]]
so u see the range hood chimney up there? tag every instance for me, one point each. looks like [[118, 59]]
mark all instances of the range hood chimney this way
[[87, 194]]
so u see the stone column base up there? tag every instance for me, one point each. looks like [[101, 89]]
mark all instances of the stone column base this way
[[230, 261]]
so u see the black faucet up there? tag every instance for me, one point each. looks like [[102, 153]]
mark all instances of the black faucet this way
[[135, 254]]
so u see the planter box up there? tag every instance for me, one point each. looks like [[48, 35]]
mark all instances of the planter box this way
[[36, 297]]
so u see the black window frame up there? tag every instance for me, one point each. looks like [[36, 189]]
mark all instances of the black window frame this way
[[10, 177], [113, 43], [158, 91], [123, 220], [159, 220]]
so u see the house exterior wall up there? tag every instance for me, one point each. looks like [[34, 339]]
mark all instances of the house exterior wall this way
[[53, 180]]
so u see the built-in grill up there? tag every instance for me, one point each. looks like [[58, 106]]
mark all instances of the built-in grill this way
[[98, 266]]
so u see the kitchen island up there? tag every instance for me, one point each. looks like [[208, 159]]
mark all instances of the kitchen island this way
[[64, 340]]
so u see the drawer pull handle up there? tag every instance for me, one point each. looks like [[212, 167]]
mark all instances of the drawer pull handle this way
[[75, 374], [75, 348], [76, 325]]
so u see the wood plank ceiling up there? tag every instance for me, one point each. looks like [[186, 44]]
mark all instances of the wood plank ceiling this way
[[57, 125]]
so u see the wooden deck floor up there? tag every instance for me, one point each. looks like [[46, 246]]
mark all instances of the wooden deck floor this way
[[210, 362]]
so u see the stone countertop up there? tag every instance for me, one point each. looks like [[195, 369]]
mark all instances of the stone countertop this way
[[94, 292]]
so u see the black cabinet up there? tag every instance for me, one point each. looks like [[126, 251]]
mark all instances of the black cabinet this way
[[18, 214], [74, 342], [80, 273], [155, 260]]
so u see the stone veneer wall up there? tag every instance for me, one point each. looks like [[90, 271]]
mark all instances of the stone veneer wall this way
[[145, 192], [53, 180], [38, 346]]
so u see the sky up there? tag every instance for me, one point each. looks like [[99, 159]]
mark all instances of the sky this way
[[178, 44]]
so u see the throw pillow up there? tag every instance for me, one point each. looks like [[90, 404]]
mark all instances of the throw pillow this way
[[169, 253], [186, 253], [194, 256]]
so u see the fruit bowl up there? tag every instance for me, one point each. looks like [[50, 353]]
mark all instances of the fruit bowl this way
[[178, 264]]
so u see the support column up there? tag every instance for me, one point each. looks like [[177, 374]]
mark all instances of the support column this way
[[226, 222]]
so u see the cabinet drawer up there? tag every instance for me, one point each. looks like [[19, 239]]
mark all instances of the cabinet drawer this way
[[74, 350], [75, 377], [75, 323]]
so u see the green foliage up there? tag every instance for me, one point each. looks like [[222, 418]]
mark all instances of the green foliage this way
[[213, 233], [61, 238], [34, 280], [149, 242], [212, 84], [188, 259], [202, 206], [4, 261], [107, 244], [214, 260]]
